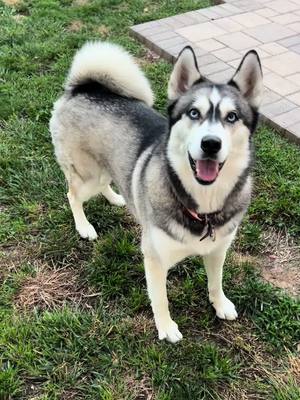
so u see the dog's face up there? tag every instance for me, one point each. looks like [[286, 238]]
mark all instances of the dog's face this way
[[210, 124]]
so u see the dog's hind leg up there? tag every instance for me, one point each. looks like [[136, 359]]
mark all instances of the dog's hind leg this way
[[108, 192], [79, 192], [112, 196]]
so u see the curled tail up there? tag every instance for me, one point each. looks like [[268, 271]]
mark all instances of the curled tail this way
[[110, 65]]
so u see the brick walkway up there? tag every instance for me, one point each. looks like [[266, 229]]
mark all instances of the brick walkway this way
[[220, 36]]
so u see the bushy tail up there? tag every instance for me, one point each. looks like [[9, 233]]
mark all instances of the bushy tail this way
[[110, 65]]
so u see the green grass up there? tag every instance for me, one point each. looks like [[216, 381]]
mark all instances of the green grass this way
[[105, 346], [277, 188]]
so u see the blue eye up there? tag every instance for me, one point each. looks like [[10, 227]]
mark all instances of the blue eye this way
[[232, 117], [193, 113]]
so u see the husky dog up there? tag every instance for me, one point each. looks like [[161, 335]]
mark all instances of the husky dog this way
[[185, 178]]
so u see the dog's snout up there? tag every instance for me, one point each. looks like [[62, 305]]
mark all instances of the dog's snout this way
[[211, 144]]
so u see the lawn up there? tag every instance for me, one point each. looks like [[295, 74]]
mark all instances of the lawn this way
[[75, 321]]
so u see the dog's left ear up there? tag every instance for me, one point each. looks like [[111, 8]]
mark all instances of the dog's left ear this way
[[184, 74], [249, 79]]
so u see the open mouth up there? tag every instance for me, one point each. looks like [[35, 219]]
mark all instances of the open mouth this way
[[205, 171]]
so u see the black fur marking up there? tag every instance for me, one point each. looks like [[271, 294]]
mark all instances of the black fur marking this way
[[93, 89], [214, 113], [171, 107], [210, 112], [252, 126], [153, 126], [199, 81], [251, 121], [217, 114], [178, 190], [233, 84], [238, 186], [172, 119]]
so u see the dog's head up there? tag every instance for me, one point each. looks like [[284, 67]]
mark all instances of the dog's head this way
[[211, 124]]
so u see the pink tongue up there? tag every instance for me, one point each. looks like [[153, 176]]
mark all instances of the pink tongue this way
[[207, 170]]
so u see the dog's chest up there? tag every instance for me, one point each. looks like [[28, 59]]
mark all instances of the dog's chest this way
[[172, 251]]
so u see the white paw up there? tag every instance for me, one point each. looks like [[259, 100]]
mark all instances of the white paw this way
[[87, 231], [169, 330], [225, 309], [118, 200]]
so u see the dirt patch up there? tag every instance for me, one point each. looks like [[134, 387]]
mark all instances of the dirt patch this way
[[240, 259], [141, 324], [140, 389], [19, 17], [35, 392], [280, 261], [12, 257], [71, 395], [3, 208], [149, 58], [103, 30], [288, 376], [294, 368], [237, 392], [238, 338], [32, 390], [12, 3], [80, 2], [49, 289], [75, 26]]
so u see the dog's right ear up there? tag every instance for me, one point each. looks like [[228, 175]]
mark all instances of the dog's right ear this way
[[249, 78], [184, 74]]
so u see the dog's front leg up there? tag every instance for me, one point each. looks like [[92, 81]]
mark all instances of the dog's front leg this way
[[156, 276], [213, 263]]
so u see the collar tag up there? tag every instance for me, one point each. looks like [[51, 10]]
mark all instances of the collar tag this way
[[211, 232]]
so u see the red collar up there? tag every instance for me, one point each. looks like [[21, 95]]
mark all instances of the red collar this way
[[197, 216]]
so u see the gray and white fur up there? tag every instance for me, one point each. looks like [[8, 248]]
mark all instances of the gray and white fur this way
[[185, 178]]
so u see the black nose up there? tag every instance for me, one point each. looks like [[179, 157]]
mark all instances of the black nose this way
[[211, 144]]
